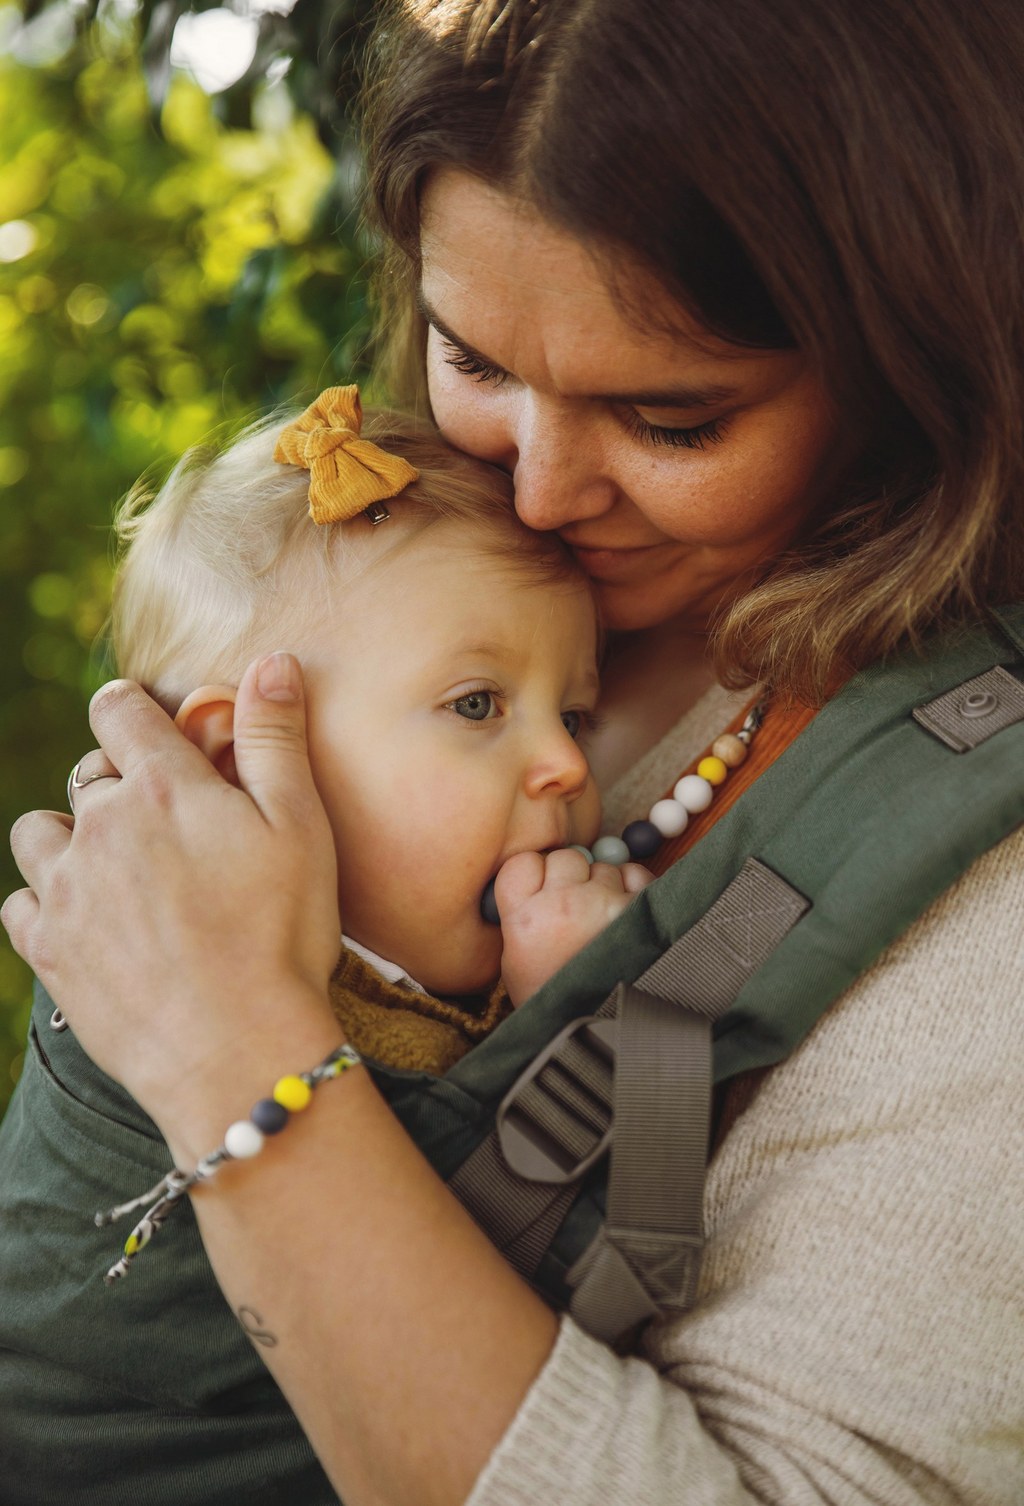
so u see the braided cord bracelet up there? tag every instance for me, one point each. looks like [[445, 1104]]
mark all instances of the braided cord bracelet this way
[[242, 1140]]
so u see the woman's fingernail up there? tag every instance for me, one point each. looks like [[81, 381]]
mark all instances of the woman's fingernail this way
[[278, 678]]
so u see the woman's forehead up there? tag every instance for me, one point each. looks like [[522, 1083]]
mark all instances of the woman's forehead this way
[[493, 259], [501, 280]]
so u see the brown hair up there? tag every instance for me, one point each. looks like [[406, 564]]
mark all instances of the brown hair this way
[[846, 176], [224, 562]]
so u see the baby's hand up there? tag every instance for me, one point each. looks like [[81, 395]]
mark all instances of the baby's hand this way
[[551, 905]]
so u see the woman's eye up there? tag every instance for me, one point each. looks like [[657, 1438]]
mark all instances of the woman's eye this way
[[472, 366], [477, 706], [696, 438]]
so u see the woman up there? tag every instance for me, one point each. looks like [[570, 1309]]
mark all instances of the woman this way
[[735, 292]]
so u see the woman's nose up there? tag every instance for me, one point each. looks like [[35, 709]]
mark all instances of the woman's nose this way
[[558, 475]]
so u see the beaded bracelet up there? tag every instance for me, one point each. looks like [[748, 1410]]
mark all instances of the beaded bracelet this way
[[242, 1140]]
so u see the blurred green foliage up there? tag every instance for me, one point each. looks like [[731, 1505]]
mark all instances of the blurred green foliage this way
[[170, 262]]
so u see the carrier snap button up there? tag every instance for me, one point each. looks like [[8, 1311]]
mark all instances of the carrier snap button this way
[[978, 703]]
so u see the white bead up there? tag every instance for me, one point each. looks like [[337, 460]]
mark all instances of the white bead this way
[[578, 847], [669, 817], [610, 850], [693, 792], [243, 1140]]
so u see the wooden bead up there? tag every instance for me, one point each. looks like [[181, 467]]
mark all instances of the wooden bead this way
[[730, 749], [713, 770]]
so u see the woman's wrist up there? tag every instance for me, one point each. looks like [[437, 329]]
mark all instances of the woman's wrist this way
[[293, 1031]]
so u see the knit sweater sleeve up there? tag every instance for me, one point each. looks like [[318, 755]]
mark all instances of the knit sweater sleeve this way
[[860, 1335]]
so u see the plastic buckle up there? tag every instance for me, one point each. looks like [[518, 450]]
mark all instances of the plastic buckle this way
[[529, 1150]]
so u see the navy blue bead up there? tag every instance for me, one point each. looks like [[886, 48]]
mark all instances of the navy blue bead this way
[[642, 838], [269, 1116], [488, 907]]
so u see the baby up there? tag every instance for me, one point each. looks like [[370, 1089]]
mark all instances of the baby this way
[[450, 657]]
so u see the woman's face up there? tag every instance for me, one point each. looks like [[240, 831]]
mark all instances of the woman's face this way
[[671, 462]]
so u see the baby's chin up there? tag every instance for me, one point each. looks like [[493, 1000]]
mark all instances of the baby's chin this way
[[464, 984], [473, 975]]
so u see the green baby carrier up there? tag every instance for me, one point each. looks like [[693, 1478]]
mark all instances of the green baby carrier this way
[[576, 1134]]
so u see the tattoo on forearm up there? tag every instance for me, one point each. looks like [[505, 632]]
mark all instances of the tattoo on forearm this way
[[253, 1325]]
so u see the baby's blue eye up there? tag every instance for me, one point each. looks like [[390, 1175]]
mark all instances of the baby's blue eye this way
[[478, 706], [572, 721]]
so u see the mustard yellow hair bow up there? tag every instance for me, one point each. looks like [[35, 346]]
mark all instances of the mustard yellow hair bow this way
[[346, 474]]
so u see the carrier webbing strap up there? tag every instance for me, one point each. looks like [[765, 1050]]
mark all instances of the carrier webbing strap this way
[[647, 1254], [557, 1118], [706, 968]]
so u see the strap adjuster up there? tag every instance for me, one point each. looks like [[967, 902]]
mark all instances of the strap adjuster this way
[[533, 1111]]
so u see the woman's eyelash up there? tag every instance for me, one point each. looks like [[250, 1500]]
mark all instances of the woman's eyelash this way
[[696, 438], [472, 366], [691, 438]]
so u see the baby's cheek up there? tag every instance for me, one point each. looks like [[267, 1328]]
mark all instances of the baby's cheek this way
[[585, 815]]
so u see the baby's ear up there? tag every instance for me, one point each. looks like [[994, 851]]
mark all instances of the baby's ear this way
[[207, 718]]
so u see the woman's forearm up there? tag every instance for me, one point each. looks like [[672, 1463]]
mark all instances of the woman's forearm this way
[[402, 1340]]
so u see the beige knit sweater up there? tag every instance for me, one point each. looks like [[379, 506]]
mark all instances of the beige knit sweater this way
[[860, 1335]]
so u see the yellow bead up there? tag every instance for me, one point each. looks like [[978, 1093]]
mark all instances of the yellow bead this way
[[292, 1093], [713, 770], [732, 750]]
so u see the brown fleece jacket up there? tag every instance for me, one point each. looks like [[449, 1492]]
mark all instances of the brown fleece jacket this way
[[401, 1028]]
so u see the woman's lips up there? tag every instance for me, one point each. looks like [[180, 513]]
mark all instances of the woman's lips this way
[[614, 564]]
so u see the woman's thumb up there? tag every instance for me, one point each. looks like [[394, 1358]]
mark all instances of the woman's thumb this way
[[270, 737]]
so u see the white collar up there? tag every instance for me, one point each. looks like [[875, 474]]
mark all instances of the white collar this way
[[388, 970]]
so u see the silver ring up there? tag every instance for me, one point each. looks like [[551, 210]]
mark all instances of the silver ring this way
[[74, 783]]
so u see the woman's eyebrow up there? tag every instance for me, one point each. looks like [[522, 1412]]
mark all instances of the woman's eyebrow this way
[[675, 397]]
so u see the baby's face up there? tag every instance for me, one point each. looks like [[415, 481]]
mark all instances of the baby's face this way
[[447, 697]]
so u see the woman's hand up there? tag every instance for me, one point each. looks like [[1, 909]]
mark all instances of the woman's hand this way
[[188, 929], [176, 909]]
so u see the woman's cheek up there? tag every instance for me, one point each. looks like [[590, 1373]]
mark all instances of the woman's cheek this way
[[442, 382], [726, 495], [468, 416]]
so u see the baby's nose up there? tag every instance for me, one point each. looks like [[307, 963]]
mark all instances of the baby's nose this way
[[561, 769]]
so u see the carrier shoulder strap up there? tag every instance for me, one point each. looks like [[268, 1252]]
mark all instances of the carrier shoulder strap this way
[[634, 1078]]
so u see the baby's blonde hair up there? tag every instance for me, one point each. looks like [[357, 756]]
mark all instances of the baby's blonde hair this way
[[224, 563]]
